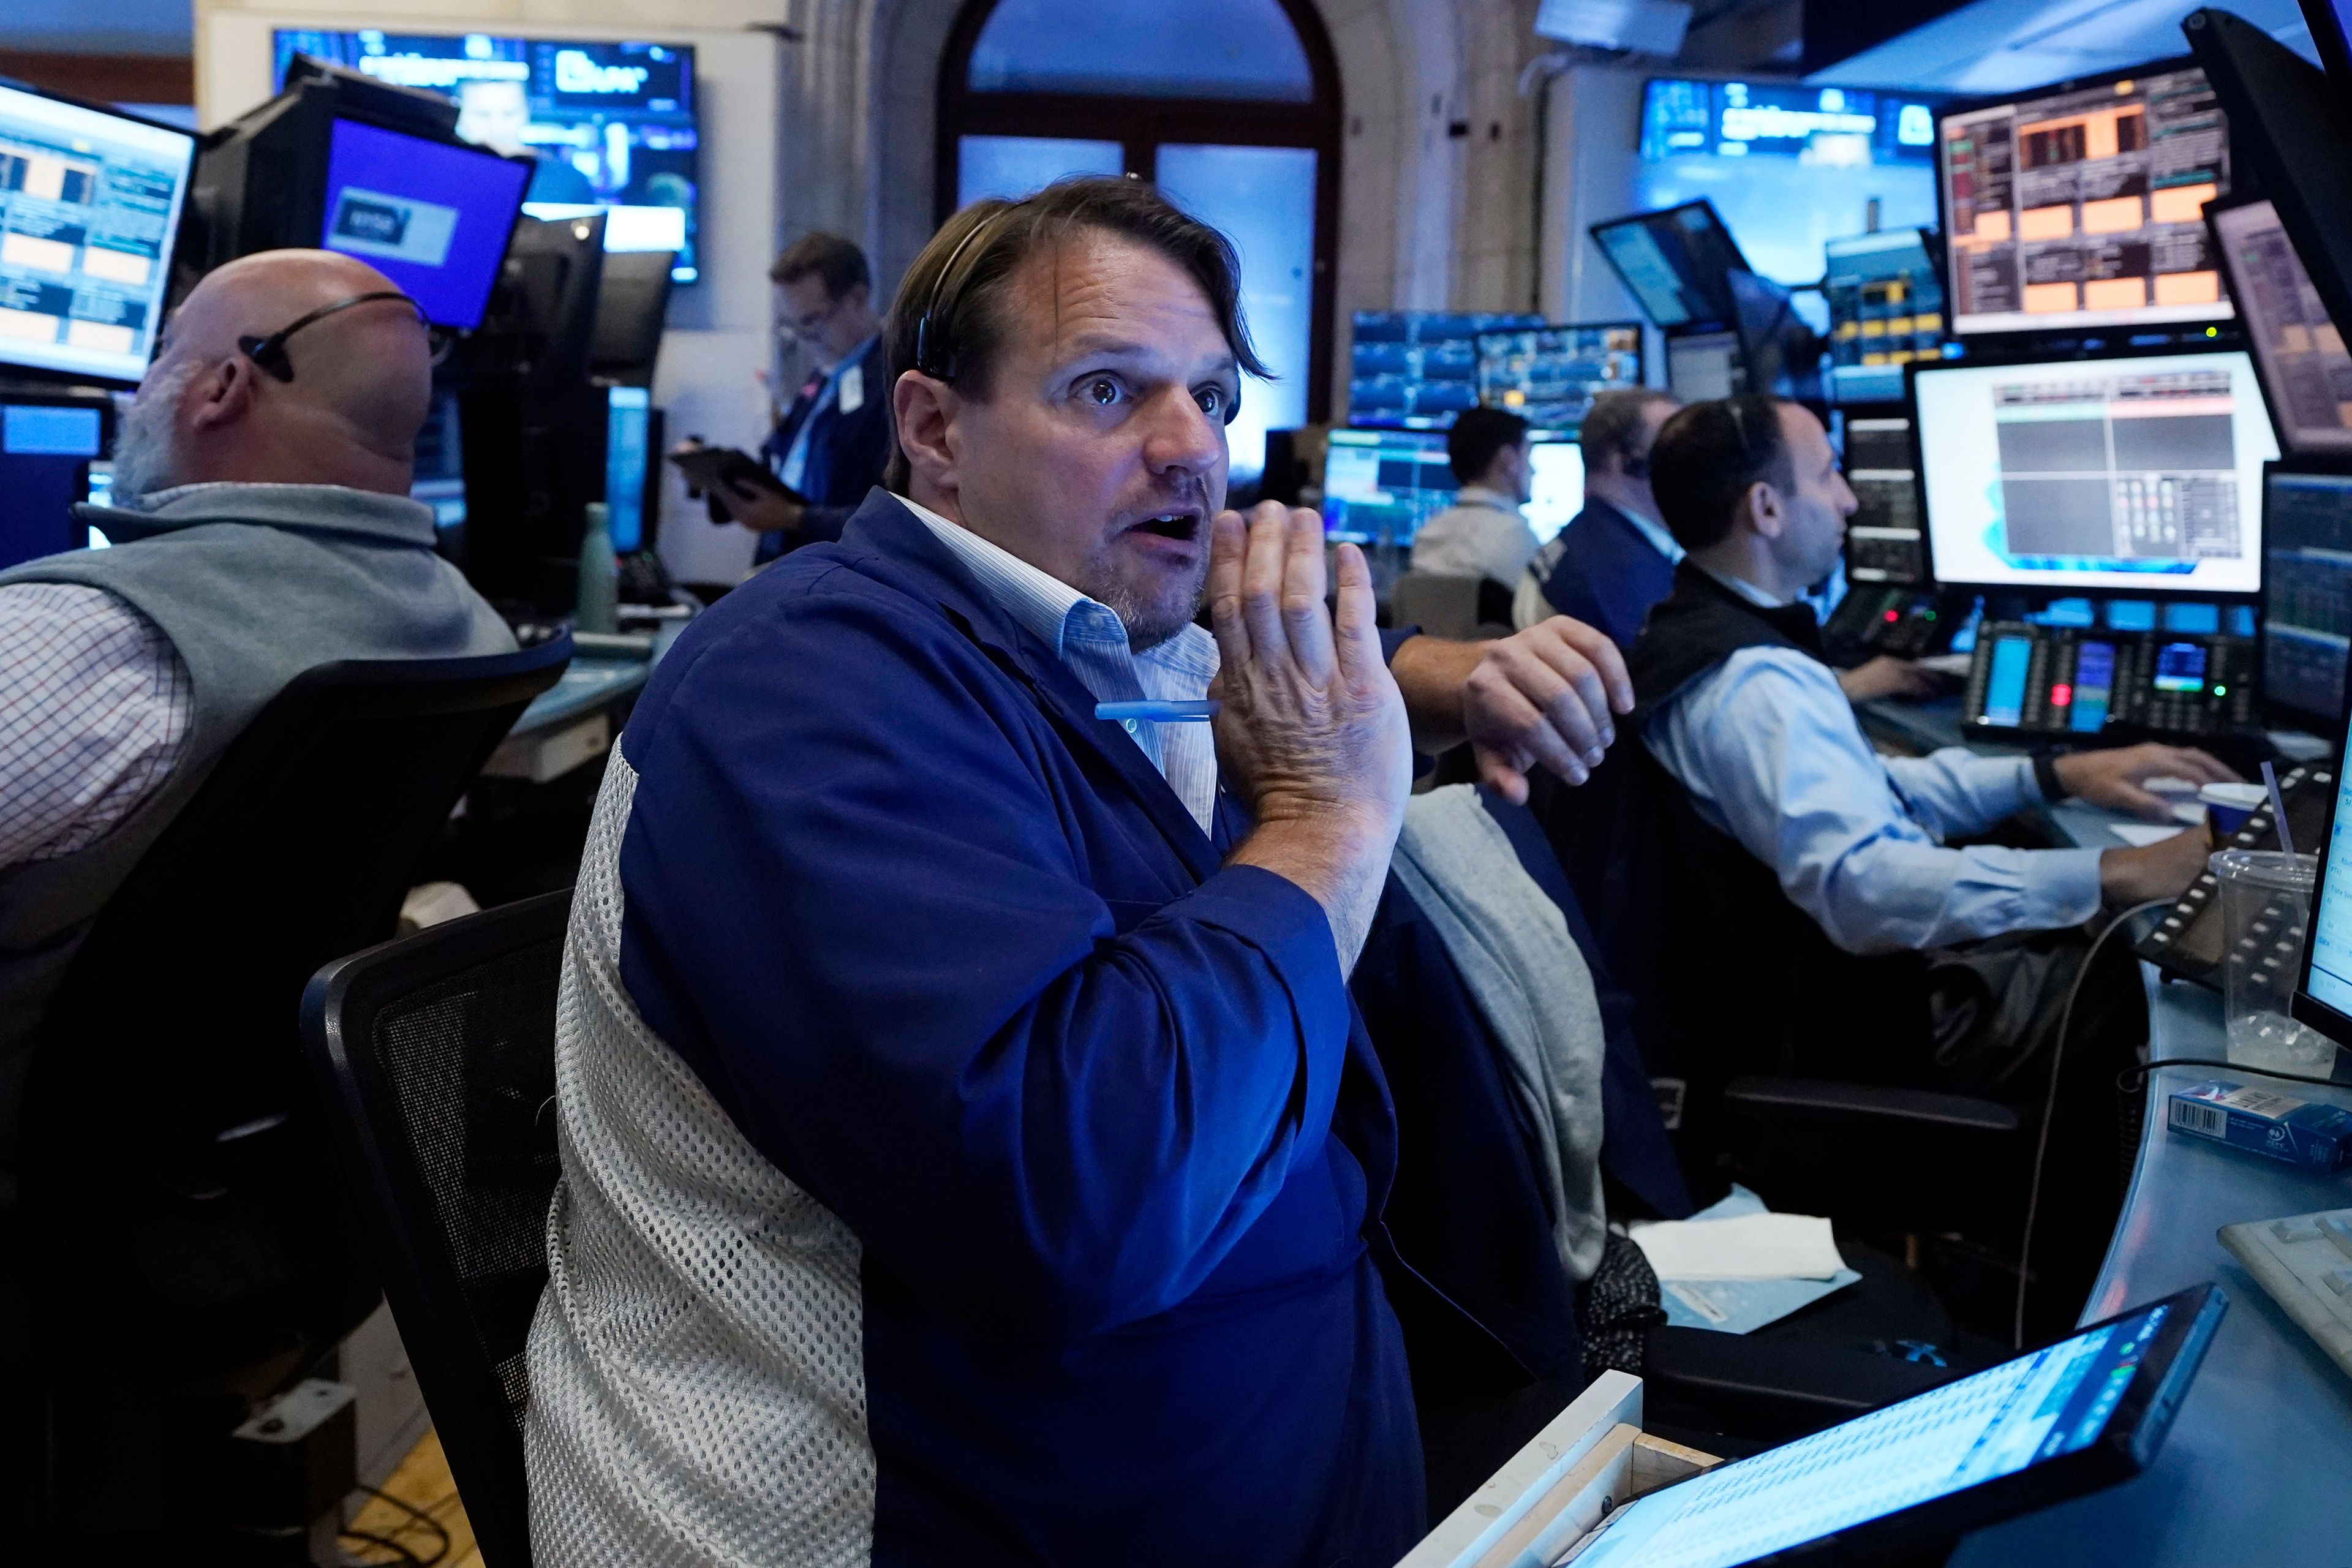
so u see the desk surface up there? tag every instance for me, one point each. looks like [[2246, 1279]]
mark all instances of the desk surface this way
[[587, 683], [2260, 1459]]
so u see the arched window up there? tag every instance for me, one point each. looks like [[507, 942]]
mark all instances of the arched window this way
[[1231, 105]]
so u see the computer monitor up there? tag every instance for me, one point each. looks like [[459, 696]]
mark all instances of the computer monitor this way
[[89, 213], [2307, 593], [1381, 486], [628, 468], [2290, 126], [1549, 375], [2299, 351], [1701, 366], [1415, 370], [1556, 491], [2331, 31], [2139, 474], [47, 442], [1673, 263], [632, 306], [2080, 205], [604, 126], [432, 216], [1886, 308]]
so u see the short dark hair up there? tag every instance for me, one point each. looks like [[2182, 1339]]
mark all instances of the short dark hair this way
[[832, 258], [948, 320], [1478, 437], [1708, 456], [1614, 425]]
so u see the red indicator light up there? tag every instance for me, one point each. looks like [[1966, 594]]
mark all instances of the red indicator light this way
[[2061, 696], [1894, 614]]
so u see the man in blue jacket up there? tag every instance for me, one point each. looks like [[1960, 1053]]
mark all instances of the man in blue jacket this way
[[971, 1152], [834, 440], [1614, 559]]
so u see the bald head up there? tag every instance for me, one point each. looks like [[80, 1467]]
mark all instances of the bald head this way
[[363, 380]]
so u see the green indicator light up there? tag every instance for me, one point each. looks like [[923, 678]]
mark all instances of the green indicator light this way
[[2221, 692]]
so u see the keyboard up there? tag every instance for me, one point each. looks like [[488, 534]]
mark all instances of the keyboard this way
[[2305, 1263]]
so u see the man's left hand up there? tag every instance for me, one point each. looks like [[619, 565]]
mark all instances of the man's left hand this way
[[1887, 677], [2116, 779], [1547, 697]]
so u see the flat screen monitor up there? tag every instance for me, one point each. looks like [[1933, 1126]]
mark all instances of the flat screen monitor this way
[[1549, 375], [1556, 489], [1415, 370], [1704, 365], [2138, 473], [1886, 308], [2307, 375], [608, 127], [1381, 486], [628, 421], [2083, 206], [1682, 116], [46, 447], [90, 211], [2306, 593], [1673, 261], [431, 218]]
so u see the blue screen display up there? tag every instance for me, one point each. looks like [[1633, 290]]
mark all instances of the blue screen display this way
[[2004, 700], [431, 218], [2095, 687], [627, 414], [1994, 1424]]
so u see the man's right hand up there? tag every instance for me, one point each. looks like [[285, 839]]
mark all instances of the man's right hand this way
[[1311, 732], [2159, 870]]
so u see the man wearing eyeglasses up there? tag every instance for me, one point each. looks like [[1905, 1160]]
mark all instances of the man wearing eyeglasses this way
[[262, 526], [834, 441]]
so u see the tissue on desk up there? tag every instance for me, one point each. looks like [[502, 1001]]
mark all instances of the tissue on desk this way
[[1748, 1246]]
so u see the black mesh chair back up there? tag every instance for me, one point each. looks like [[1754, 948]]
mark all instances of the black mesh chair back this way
[[178, 1194], [436, 1056]]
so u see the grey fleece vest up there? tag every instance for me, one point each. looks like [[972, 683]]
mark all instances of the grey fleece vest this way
[[253, 584]]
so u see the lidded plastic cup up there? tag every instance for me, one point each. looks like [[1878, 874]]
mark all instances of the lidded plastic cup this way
[[2266, 916]]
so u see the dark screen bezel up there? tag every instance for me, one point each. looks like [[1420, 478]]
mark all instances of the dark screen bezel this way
[[1724, 323]]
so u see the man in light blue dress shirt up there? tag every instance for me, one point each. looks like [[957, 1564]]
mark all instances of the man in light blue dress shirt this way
[[1755, 838]]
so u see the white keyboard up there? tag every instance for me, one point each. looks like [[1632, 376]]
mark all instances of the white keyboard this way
[[2305, 1263]]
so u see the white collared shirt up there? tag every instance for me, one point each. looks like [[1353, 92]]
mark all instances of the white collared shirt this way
[[1483, 535], [1090, 638], [1651, 528]]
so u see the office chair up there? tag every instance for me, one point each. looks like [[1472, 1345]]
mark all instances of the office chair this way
[[436, 1056], [189, 1246], [1465, 609]]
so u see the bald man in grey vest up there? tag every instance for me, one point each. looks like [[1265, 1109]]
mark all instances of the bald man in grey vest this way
[[263, 527]]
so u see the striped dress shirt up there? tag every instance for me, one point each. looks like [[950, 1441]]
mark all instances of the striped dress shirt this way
[[1089, 637]]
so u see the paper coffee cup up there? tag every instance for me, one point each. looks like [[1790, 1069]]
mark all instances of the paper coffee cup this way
[[2229, 805]]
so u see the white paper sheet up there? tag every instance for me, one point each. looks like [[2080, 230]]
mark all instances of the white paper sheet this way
[[1750, 1247], [2142, 834]]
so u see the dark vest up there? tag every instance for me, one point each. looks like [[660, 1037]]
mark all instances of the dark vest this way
[[1729, 976]]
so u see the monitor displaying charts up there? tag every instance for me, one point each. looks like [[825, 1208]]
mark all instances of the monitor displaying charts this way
[[1886, 308], [2307, 593], [1381, 486], [1415, 370], [2141, 474], [2082, 207], [90, 210], [1549, 375], [2299, 351]]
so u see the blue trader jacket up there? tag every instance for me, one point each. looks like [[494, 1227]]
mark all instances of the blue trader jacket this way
[[846, 452], [956, 959], [1606, 575]]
